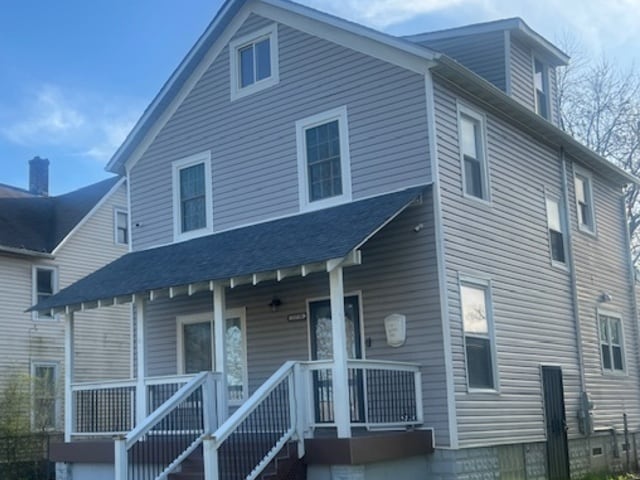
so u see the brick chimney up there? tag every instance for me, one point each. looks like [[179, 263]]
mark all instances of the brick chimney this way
[[39, 176]]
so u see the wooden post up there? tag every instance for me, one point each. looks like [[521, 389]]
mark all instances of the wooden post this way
[[68, 376], [141, 389], [219, 309], [210, 457], [341, 406], [120, 459]]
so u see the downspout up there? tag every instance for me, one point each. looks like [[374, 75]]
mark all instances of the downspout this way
[[574, 290], [441, 262]]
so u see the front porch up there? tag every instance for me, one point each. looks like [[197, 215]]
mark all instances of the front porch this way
[[241, 367]]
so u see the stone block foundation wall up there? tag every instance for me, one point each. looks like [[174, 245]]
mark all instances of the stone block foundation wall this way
[[601, 452]]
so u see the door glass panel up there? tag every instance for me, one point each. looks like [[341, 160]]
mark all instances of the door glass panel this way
[[197, 347], [322, 343], [235, 359]]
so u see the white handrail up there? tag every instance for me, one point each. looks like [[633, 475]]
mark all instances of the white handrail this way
[[102, 385]]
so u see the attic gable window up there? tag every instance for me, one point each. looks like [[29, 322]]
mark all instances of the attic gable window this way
[[192, 202], [471, 131], [45, 284], [541, 83], [324, 167], [254, 62]]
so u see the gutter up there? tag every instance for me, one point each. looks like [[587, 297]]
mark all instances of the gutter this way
[[26, 252]]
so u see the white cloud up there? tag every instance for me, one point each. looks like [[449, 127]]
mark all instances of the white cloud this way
[[84, 124]]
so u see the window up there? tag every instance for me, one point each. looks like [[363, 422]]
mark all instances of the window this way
[[477, 335], [471, 132], [584, 202], [44, 378], [121, 226], [254, 62], [541, 83], [555, 223], [196, 349], [44, 285], [192, 204], [324, 170], [611, 345]]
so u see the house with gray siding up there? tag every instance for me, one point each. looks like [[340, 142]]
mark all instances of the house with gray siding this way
[[356, 255], [46, 244]]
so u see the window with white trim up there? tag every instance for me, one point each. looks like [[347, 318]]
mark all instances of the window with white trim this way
[[541, 84], [44, 377], [324, 167], [555, 224], [584, 202], [44, 284], [471, 130], [611, 343], [121, 226], [477, 325], [192, 204], [254, 61]]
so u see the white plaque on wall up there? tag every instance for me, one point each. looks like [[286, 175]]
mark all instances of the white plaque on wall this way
[[395, 326]]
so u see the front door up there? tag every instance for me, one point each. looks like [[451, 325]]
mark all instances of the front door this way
[[556, 422], [322, 349]]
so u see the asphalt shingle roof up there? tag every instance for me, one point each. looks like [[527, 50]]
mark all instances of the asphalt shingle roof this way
[[39, 224], [288, 242]]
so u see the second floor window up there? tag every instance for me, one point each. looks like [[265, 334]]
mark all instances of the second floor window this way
[[541, 83], [556, 231], [121, 227], [473, 154], [323, 159], [192, 196], [44, 286], [584, 203]]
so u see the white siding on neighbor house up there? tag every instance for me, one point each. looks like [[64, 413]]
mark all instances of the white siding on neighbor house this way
[[602, 266], [398, 275], [102, 336], [252, 140], [483, 54], [507, 242]]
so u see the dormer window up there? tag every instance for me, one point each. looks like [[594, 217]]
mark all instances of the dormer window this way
[[254, 62], [541, 83]]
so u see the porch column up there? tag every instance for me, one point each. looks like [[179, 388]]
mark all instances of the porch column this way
[[68, 375], [341, 410], [141, 373], [219, 309]]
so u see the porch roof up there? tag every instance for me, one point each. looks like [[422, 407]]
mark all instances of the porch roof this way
[[264, 251]]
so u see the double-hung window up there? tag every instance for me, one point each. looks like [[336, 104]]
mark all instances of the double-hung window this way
[[121, 226], [611, 344], [541, 83], [324, 170], [471, 131], [254, 62], [45, 407], [477, 324], [555, 224], [192, 205], [584, 202], [45, 284]]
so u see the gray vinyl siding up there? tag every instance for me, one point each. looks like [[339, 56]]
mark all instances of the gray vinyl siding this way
[[602, 266], [398, 275], [483, 54], [507, 242], [252, 140], [522, 73]]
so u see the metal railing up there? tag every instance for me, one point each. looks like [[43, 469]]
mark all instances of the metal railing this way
[[159, 444], [381, 394]]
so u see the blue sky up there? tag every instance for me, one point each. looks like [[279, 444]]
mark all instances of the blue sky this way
[[76, 75]]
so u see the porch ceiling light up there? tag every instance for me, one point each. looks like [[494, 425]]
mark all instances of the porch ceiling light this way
[[275, 303]]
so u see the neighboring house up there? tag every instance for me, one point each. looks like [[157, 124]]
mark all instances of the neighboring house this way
[[385, 250], [46, 244]]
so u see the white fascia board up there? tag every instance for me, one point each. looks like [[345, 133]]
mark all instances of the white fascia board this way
[[84, 220], [350, 35], [25, 252]]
